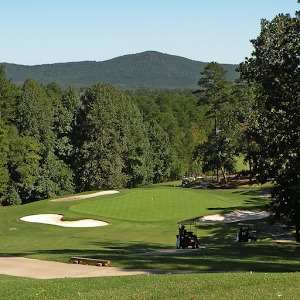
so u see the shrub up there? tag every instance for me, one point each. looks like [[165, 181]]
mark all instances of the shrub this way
[[11, 197]]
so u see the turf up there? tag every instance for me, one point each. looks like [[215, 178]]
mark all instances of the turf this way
[[241, 286], [143, 220], [146, 219], [160, 204]]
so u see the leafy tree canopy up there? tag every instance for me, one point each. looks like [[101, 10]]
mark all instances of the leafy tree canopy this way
[[274, 67]]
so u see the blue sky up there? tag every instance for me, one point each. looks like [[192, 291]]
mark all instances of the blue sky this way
[[50, 31]]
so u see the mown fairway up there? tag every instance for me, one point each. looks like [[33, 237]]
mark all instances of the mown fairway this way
[[140, 219], [146, 219]]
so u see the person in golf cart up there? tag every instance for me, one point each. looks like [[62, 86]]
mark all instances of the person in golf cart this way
[[186, 238], [182, 231], [245, 235]]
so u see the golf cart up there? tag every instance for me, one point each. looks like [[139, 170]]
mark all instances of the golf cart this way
[[246, 233], [187, 238]]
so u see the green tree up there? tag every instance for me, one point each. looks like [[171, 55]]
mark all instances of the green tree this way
[[35, 118], [11, 197], [136, 153], [34, 114], [244, 113], [214, 92], [99, 139], [218, 153], [23, 164], [274, 67], [160, 152], [8, 93], [66, 104], [178, 116], [4, 149], [54, 178]]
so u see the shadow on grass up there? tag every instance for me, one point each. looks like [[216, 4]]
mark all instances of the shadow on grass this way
[[253, 203], [219, 254]]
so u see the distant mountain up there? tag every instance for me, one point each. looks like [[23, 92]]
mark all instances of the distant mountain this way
[[148, 69]]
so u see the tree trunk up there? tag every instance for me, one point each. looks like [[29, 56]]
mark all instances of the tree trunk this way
[[298, 232], [224, 174], [216, 134], [218, 179], [250, 170]]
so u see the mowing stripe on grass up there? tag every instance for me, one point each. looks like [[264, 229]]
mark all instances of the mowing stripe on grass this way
[[153, 205]]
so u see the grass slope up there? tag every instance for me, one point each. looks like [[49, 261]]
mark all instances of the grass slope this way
[[207, 286], [146, 219], [142, 220]]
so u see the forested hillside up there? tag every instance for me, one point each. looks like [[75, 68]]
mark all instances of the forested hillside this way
[[143, 70]]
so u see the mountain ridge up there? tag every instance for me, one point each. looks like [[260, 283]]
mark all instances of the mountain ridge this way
[[149, 69]]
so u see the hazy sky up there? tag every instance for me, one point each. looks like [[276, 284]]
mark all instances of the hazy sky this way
[[50, 31]]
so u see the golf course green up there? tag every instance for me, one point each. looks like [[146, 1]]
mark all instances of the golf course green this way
[[160, 204]]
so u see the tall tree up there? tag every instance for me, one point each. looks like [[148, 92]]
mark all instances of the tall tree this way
[[109, 141], [160, 152], [54, 178], [213, 90], [274, 66], [8, 93], [136, 153], [244, 113], [35, 118], [23, 165], [66, 104], [4, 149]]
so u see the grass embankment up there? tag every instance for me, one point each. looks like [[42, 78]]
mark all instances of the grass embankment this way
[[207, 286], [146, 219]]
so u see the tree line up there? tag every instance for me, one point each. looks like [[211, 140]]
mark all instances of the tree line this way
[[56, 141]]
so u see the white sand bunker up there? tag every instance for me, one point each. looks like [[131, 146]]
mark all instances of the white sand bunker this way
[[234, 216], [54, 219], [86, 196]]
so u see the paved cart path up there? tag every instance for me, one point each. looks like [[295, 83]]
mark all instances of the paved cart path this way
[[39, 269]]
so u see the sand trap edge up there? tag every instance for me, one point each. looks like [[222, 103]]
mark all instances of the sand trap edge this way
[[55, 219]]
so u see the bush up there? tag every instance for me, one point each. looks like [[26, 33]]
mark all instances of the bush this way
[[11, 197]]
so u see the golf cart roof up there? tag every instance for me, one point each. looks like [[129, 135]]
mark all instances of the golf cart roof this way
[[246, 224], [187, 222]]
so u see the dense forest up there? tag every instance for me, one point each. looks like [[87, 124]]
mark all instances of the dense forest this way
[[56, 140], [150, 69]]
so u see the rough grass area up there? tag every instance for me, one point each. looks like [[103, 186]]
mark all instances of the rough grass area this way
[[240, 286]]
